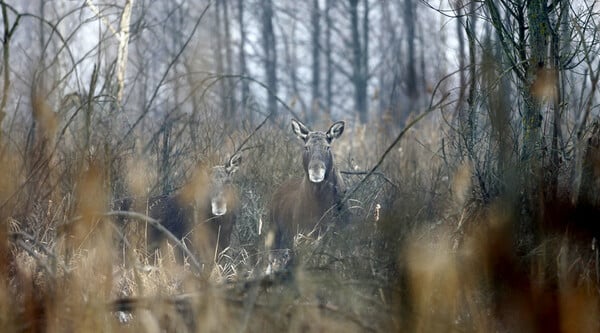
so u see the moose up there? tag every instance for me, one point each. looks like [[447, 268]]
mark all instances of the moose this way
[[300, 205], [204, 211]]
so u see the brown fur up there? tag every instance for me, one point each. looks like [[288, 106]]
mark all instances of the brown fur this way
[[190, 216], [301, 205], [205, 232]]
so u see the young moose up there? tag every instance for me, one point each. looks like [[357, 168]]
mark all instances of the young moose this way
[[204, 212], [300, 205]]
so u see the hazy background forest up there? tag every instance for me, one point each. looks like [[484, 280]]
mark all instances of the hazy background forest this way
[[471, 155]]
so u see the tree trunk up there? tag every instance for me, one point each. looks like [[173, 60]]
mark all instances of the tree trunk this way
[[470, 118], [328, 58], [242, 61], [270, 54], [316, 59], [557, 136], [230, 103], [531, 157], [411, 71], [291, 64], [358, 71], [539, 29], [218, 54], [589, 192], [462, 85]]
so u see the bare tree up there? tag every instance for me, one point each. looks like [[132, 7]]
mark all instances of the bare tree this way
[[270, 54], [315, 19], [409, 16], [242, 60], [6, 40], [360, 58], [219, 57], [291, 65], [223, 58], [230, 105], [329, 73]]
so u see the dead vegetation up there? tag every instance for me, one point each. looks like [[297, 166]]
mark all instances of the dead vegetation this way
[[449, 230], [420, 254]]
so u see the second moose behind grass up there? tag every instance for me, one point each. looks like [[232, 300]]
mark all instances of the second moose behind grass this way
[[204, 212], [307, 204]]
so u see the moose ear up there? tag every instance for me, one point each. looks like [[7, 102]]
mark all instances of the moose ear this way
[[335, 130], [234, 163], [300, 129]]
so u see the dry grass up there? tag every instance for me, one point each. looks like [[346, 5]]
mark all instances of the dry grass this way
[[420, 253]]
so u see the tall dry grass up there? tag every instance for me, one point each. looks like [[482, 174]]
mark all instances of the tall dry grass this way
[[421, 253]]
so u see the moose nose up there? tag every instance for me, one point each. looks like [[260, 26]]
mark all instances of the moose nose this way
[[316, 172], [218, 207]]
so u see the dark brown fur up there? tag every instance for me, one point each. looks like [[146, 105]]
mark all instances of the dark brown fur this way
[[302, 205], [204, 232], [190, 214]]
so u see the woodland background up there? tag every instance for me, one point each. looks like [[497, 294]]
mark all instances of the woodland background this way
[[471, 153]]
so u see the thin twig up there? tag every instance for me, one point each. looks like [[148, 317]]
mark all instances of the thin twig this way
[[391, 146], [240, 148], [377, 173], [253, 80]]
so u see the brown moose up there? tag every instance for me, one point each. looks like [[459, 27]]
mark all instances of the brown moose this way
[[305, 205], [204, 212]]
